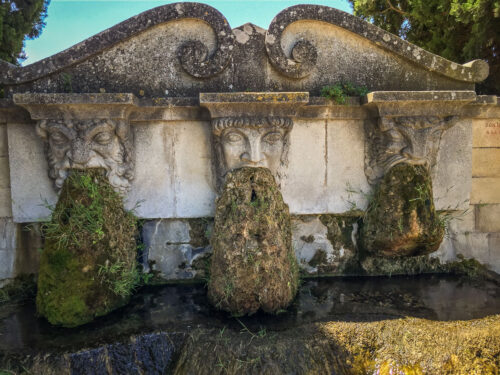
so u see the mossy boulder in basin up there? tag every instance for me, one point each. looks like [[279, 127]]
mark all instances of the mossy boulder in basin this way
[[88, 263], [253, 263], [401, 219]]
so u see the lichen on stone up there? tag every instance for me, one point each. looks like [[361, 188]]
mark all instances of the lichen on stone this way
[[88, 263], [401, 219], [253, 263]]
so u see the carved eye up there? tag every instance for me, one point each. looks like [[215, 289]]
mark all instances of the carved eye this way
[[58, 138], [233, 137], [272, 137], [103, 138]]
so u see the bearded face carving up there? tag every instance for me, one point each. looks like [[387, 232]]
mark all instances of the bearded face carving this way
[[411, 140], [251, 142], [84, 144]]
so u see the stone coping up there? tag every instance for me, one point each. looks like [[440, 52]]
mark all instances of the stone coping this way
[[86, 98], [254, 97], [304, 54], [188, 108]]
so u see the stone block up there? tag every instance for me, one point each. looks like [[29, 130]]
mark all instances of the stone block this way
[[462, 221], [8, 244], [4, 172], [151, 191], [308, 236], [488, 218], [31, 187], [192, 184], [485, 190], [304, 186], [346, 184], [5, 203], [168, 249], [494, 251], [4, 149], [486, 133], [483, 247], [486, 162], [451, 176]]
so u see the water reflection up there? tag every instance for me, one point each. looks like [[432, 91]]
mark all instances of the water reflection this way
[[179, 308]]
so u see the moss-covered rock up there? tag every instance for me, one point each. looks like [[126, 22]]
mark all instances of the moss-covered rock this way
[[88, 264], [401, 219], [253, 263]]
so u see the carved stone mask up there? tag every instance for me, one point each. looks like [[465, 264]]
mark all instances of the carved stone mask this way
[[251, 142], [413, 140], [83, 144]]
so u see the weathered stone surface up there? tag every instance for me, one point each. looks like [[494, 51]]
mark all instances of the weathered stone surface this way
[[4, 172], [31, 187], [174, 247], [88, 265], [451, 175], [485, 190], [5, 203], [488, 218], [486, 162], [253, 263], [8, 246], [4, 150], [486, 132], [401, 219], [198, 52]]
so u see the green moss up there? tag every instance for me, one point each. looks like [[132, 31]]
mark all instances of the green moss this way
[[339, 92], [88, 266], [253, 264], [401, 219], [21, 288], [200, 231]]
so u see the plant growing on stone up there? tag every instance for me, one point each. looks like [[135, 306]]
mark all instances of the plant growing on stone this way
[[339, 92], [88, 264]]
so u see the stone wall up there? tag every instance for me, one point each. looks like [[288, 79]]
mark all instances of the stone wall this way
[[162, 79]]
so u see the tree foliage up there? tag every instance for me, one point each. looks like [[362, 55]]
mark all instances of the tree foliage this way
[[459, 30], [19, 19]]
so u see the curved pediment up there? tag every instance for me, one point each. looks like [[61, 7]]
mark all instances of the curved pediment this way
[[182, 49]]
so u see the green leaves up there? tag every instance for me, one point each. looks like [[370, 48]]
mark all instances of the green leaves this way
[[20, 19], [459, 30]]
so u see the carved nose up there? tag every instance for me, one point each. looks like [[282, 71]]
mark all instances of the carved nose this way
[[252, 156], [79, 154]]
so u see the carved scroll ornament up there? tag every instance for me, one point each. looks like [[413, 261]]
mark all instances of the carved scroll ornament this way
[[304, 54], [83, 144], [193, 54], [412, 140]]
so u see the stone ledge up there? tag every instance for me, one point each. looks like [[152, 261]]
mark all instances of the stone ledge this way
[[250, 104], [420, 96]]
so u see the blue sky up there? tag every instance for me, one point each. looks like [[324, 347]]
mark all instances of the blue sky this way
[[71, 21]]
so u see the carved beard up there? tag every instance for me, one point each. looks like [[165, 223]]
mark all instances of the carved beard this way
[[117, 171]]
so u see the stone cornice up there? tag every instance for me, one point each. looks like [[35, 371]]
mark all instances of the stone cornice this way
[[304, 53], [250, 104]]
